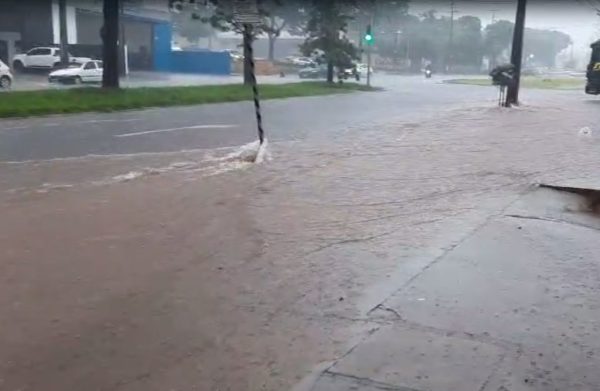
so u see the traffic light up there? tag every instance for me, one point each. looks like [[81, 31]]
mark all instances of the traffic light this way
[[369, 36]]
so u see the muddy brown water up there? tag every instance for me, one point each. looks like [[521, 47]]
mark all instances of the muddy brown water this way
[[199, 276]]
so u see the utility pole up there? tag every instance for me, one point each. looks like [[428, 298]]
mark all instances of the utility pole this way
[[369, 39], [493, 15], [450, 53], [64, 38], [512, 95]]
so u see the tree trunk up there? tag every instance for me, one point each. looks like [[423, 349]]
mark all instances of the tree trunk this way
[[247, 56], [64, 39], [272, 38], [110, 40], [330, 71]]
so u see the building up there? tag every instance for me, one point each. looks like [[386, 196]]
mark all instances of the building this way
[[22, 22], [145, 26]]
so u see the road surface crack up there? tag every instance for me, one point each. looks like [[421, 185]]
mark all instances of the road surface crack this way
[[551, 220], [350, 240], [484, 338], [365, 381]]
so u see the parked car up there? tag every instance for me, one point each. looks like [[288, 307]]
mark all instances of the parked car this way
[[362, 69], [235, 55], [42, 58], [302, 61], [313, 72], [6, 77], [88, 72], [349, 73]]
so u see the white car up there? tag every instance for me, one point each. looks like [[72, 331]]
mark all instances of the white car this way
[[5, 76], [42, 57], [88, 72], [362, 69], [235, 55], [302, 61]]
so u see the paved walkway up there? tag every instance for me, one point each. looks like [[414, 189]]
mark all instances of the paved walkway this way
[[511, 307]]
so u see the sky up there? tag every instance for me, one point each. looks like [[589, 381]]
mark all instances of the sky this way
[[575, 17]]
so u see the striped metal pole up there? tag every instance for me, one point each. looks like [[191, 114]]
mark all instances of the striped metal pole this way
[[249, 51]]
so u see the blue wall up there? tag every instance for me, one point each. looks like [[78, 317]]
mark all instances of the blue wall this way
[[212, 63], [200, 62], [162, 47]]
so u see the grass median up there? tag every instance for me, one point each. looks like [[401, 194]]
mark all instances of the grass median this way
[[79, 100], [564, 83]]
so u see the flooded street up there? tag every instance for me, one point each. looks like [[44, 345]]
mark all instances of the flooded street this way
[[199, 271]]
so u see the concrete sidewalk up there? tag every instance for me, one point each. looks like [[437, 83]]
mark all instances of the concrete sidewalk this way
[[511, 307], [411, 256]]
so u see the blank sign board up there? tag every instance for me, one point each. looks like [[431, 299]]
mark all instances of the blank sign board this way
[[246, 11]]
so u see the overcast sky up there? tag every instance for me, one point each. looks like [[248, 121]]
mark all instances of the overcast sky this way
[[575, 17]]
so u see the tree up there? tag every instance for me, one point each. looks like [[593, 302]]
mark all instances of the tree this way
[[223, 19], [190, 20], [280, 15], [497, 38], [418, 38], [275, 17], [545, 45], [327, 34], [64, 40], [387, 18], [110, 46], [423, 39], [468, 42]]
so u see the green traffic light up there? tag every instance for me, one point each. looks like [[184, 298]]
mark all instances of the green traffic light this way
[[369, 35]]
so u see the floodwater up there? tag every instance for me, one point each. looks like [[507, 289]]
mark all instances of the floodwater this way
[[198, 270]]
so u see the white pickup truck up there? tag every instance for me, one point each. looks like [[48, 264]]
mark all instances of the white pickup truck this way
[[42, 57]]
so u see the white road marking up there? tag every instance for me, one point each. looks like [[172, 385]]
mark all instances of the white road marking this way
[[176, 129], [98, 121], [48, 125], [55, 124], [15, 128]]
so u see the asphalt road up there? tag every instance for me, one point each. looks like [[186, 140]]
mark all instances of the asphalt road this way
[[421, 260], [230, 124]]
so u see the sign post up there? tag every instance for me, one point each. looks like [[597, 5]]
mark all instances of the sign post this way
[[246, 13]]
